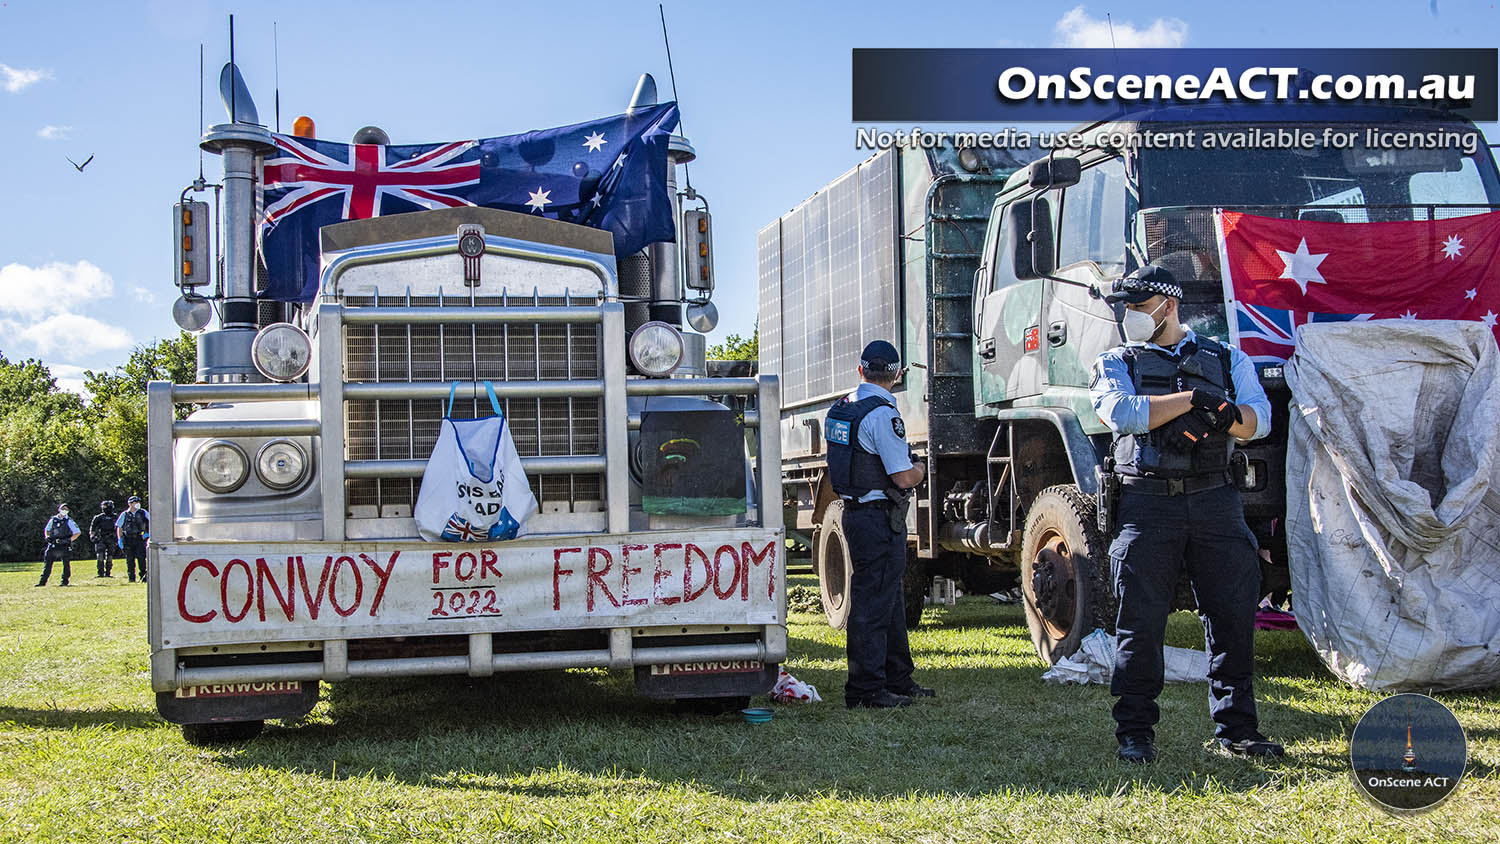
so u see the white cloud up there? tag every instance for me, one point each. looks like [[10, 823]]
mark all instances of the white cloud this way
[[1077, 29], [143, 295], [74, 336], [54, 133], [53, 288], [14, 79], [68, 377]]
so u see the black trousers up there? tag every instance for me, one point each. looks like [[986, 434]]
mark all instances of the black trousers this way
[[105, 551], [53, 552], [135, 551], [1158, 536], [879, 656]]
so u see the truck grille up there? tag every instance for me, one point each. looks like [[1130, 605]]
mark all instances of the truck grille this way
[[389, 429]]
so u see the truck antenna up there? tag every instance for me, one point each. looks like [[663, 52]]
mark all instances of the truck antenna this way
[[276, 70], [687, 174], [200, 108]]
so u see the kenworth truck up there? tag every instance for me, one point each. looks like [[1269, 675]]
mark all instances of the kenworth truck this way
[[984, 272], [285, 553]]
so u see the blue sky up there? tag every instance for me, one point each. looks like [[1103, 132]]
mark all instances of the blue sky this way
[[85, 258]]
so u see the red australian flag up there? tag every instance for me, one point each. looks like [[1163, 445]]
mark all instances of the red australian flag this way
[[1279, 274]]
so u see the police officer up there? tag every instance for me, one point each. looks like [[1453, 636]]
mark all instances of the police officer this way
[[132, 530], [99, 533], [1175, 400], [59, 533], [870, 467]]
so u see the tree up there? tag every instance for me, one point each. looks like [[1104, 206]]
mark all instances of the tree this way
[[736, 348], [172, 359]]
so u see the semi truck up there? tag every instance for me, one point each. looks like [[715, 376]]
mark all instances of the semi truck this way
[[986, 271], [282, 481]]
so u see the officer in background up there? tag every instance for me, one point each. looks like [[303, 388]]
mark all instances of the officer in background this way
[[132, 530], [59, 533], [1175, 400], [870, 468], [100, 529]]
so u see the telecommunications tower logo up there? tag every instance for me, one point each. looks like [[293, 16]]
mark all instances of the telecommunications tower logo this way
[[1408, 753]]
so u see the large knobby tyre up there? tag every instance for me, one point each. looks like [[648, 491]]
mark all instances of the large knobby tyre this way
[[915, 585], [834, 566], [227, 732], [1065, 577]]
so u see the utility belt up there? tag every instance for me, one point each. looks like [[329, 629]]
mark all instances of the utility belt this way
[[1175, 486], [882, 503], [894, 505]]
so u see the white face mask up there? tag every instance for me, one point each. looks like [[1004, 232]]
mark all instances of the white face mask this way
[[1140, 326]]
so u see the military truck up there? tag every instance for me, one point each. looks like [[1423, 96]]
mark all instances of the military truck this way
[[987, 278], [282, 482]]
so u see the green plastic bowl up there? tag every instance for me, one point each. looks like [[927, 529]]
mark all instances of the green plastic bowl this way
[[757, 715]]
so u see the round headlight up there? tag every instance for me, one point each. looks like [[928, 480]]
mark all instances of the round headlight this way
[[222, 466], [280, 464], [656, 349], [281, 352]]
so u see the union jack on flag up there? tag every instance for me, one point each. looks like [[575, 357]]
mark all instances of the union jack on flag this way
[[364, 175], [459, 530], [1268, 335]]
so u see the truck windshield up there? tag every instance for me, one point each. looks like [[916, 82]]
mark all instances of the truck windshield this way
[[1324, 176]]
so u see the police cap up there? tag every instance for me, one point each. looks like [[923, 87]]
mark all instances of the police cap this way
[[880, 356], [1150, 280], [135, 498]]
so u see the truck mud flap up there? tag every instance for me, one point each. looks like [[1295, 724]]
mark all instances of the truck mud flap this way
[[685, 680], [222, 702]]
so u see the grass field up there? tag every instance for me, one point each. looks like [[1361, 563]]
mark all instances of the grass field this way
[[576, 756]]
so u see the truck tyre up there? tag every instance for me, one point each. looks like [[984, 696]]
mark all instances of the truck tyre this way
[[831, 562], [1065, 584], [915, 585], [226, 732]]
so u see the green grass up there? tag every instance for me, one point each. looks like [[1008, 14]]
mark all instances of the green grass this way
[[577, 756]]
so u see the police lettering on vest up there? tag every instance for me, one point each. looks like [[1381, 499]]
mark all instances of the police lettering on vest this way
[[852, 470], [1157, 372]]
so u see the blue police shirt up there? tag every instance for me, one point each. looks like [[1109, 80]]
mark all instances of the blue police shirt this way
[[120, 522], [883, 433], [1123, 411], [72, 525]]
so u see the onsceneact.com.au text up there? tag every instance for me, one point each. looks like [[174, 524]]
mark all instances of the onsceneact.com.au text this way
[[1017, 84]]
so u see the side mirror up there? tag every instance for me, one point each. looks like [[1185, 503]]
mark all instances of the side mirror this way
[[1031, 246], [1056, 171]]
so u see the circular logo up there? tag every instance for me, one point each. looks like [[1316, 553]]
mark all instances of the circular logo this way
[[1408, 753]]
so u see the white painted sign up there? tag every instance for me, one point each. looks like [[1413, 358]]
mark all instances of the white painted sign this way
[[226, 593]]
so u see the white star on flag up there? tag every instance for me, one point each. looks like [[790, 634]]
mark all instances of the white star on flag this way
[[1489, 319], [1472, 293], [598, 199], [1453, 247], [620, 162], [1410, 314], [1302, 266], [539, 199], [594, 141]]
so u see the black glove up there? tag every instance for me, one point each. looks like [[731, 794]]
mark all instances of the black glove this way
[[1184, 432], [1217, 412]]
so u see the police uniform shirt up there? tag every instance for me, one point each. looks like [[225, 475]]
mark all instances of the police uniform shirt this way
[[72, 525], [120, 522], [882, 433], [1116, 402]]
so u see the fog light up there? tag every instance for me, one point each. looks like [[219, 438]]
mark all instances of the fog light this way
[[222, 466], [280, 464]]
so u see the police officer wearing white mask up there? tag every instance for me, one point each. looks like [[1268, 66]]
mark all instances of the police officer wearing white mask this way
[[1175, 401], [869, 463]]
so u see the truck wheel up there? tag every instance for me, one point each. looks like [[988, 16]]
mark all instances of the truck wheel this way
[[833, 565], [226, 732], [915, 585], [1064, 581]]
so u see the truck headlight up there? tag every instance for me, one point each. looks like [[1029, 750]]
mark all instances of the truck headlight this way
[[656, 349], [222, 466], [281, 352], [280, 464]]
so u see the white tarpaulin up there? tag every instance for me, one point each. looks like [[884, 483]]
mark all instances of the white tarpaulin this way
[[1393, 501], [1094, 662]]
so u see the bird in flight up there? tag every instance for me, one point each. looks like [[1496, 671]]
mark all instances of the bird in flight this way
[[77, 166]]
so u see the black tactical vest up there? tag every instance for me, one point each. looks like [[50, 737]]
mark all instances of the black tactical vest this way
[[1156, 372], [852, 470], [135, 525]]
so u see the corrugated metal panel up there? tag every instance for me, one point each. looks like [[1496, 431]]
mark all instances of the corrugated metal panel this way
[[405, 430]]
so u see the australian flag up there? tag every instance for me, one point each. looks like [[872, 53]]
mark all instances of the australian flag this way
[[609, 174]]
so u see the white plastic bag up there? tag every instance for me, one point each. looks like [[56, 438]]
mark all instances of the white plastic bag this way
[[474, 488], [789, 689], [1094, 662]]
